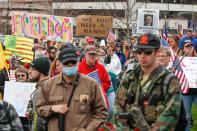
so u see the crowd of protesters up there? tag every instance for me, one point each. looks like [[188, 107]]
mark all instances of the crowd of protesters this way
[[93, 102]]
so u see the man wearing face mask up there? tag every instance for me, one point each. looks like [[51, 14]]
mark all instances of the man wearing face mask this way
[[74, 96]]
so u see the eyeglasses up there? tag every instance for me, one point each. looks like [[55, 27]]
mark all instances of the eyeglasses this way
[[162, 56], [53, 52], [21, 75], [71, 61], [146, 51]]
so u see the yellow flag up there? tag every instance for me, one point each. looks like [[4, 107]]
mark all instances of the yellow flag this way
[[2, 58]]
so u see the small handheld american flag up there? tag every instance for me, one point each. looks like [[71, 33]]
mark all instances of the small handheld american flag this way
[[95, 76], [177, 66]]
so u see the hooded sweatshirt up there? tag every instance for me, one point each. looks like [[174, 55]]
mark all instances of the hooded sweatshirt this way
[[84, 68]]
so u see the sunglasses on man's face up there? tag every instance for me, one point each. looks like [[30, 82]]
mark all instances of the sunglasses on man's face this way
[[70, 62], [146, 51]]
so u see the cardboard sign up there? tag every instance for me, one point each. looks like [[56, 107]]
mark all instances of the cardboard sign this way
[[18, 94], [148, 21], [96, 26], [49, 27], [190, 70]]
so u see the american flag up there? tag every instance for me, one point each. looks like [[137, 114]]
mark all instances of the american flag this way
[[165, 35], [20, 46], [111, 36], [177, 65], [95, 76]]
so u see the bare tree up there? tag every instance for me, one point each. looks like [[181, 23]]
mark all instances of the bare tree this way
[[126, 16]]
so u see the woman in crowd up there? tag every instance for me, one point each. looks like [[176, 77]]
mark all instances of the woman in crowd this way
[[55, 68], [174, 42], [21, 74], [115, 64], [163, 57], [191, 95], [120, 53], [113, 87]]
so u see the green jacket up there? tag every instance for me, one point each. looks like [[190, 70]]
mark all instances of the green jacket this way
[[167, 103]]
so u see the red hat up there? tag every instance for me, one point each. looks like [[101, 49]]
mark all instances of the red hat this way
[[90, 40]]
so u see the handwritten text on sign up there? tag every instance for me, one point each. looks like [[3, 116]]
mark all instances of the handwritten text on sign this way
[[190, 70], [50, 27], [18, 94], [97, 26]]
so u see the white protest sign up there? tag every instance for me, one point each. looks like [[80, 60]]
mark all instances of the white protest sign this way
[[190, 70], [148, 21], [18, 94]]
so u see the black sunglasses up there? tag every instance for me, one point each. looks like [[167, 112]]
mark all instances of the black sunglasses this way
[[146, 51], [70, 61]]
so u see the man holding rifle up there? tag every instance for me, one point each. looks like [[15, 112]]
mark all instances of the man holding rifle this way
[[149, 97]]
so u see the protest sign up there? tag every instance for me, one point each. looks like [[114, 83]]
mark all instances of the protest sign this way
[[190, 70], [134, 28], [18, 94], [148, 21], [55, 28], [93, 25]]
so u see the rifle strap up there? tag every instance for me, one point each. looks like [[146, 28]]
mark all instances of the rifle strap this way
[[62, 118], [138, 90], [73, 90]]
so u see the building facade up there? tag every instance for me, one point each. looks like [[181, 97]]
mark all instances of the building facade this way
[[177, 15]]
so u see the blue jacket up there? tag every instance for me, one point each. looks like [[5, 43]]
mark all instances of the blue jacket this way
[[193, 39], [122, 58]]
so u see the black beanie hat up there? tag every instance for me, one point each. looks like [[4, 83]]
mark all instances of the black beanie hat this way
[[42, 65]]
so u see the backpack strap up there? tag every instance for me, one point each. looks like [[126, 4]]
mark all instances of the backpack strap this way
[[165, 82]]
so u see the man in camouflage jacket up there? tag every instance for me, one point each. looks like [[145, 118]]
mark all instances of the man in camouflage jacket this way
[[159, 102], [9, 120]]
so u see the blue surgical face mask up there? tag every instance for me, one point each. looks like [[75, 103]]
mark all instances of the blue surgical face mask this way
[[70, 71]]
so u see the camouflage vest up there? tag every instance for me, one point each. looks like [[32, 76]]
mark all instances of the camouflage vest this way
[[153, 100]]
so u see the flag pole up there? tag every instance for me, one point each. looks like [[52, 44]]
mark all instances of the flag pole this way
[[8, 74]]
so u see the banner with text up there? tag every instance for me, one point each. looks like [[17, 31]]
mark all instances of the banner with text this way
[[18, 94], [148, 21], [95, 26], [190, 70], [55, 28]]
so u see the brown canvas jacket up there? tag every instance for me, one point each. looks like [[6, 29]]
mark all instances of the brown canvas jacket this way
[[87, 110]]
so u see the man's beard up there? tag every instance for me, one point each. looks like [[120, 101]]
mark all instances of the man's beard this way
[[35, 79], [51, 58]]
